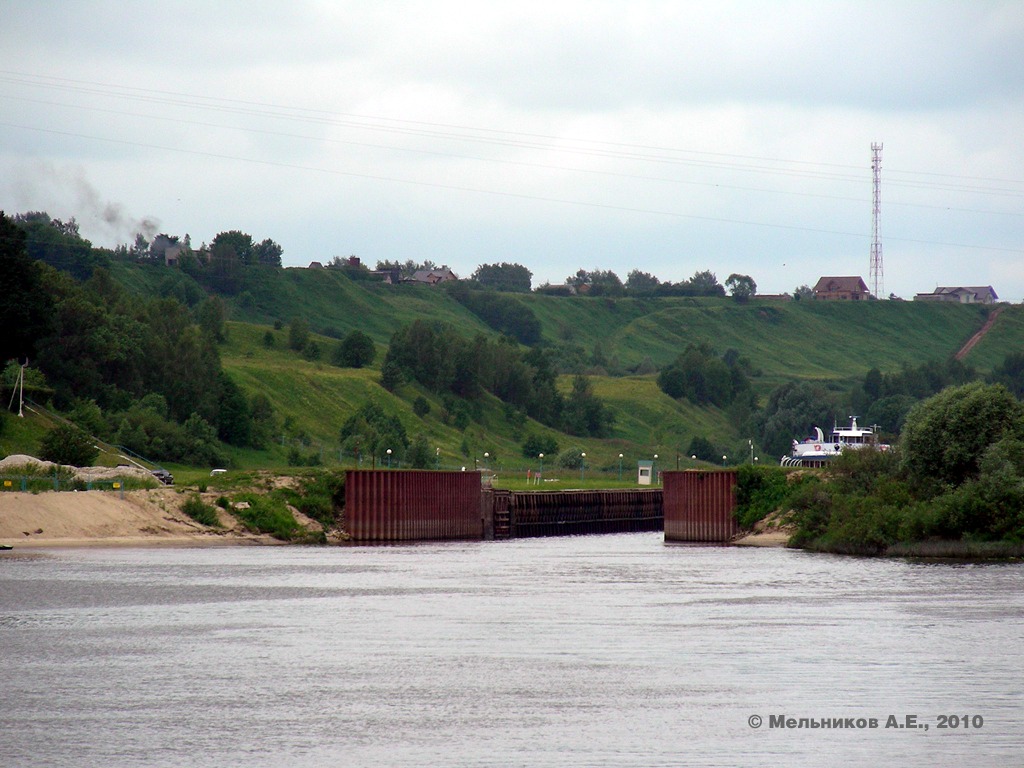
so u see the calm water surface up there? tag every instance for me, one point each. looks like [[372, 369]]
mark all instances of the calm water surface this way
[[585, 651]]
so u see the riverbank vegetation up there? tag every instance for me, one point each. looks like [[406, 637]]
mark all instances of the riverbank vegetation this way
[[953, 485]]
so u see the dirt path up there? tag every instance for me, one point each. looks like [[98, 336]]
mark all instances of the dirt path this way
[[979, 335]]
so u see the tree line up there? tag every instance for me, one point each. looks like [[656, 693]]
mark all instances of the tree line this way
[[953, 485], [145, 374], [435, 356]]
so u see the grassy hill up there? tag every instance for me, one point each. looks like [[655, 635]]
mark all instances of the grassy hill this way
[[832, 341], [809, 340]]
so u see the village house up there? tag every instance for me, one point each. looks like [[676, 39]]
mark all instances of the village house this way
[[167, 249], [841, 289], [432, 276], [963, 294]]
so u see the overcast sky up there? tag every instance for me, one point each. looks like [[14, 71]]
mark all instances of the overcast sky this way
[[667, 137]]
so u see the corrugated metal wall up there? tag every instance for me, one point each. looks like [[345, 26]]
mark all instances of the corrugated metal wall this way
[[699, 505], [410, 505], [564, 513]]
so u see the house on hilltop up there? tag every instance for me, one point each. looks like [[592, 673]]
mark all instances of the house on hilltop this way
[[432, 276], [963, 294], [841, 289], [167, 249]]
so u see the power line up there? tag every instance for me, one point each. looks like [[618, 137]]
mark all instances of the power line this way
[[499, 137], [500, 193]]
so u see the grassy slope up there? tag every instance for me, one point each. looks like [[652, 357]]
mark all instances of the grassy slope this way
[[837, 341], [785, 339], [1005, 336], [324, 297]]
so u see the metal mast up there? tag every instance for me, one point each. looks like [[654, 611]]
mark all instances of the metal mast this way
[[875, 272]]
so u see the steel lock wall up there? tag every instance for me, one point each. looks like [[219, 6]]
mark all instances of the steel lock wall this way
[[410, 505], [699, 505], [564, 513]]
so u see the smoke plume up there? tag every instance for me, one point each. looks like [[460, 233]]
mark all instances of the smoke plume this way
[[64, 192]]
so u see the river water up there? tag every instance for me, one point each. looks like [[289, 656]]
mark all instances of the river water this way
[[614, 650]]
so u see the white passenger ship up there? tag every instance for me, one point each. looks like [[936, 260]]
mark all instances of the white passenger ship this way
[[816, 450]]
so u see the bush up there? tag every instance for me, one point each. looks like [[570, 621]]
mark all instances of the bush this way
[[534, 445], [296, 458], [570, 459], [202, 513], [298, 334], [759, 492], [67, 444], [318, 496], [311, 351], [271, 516], [356, 350], [420, 406]]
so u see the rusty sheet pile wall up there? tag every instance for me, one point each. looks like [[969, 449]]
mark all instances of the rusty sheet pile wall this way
[[563, 513], [410, 505], [699, 505]]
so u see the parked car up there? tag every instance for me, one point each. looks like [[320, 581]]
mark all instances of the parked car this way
[[163, 476]]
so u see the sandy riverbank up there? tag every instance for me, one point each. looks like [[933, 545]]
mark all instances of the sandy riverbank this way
[[773, 531], [103, 518], [763, 539]]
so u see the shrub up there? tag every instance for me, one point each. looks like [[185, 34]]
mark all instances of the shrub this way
[[298, 334], [356, 350], [202, 513], [67, 444], [534, 445], [420, 406], [271, 516], [311, 351], [759, 492]]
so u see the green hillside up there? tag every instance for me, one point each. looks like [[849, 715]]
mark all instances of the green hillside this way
[[784, 341], [834, 342]]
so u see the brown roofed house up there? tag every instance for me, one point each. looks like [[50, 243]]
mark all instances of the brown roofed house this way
[[841, 289]]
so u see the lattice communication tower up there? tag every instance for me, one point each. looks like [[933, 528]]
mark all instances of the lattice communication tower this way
[[875, 272]]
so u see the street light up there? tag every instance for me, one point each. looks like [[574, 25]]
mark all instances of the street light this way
[[620, 467], [389, 458], [486, 456], [583, 464], [437, 459], [541, 457], [654, 471], [724, 457]]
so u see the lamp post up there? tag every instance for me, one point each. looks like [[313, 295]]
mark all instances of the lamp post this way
[[541, 472], [486, 456], [437, 459], [389, 458], [583, 464], [751, 444], [693, 457], [654, 469], [724, 457], [620, 467]]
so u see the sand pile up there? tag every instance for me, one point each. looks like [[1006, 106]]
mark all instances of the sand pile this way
[[19, 461]]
